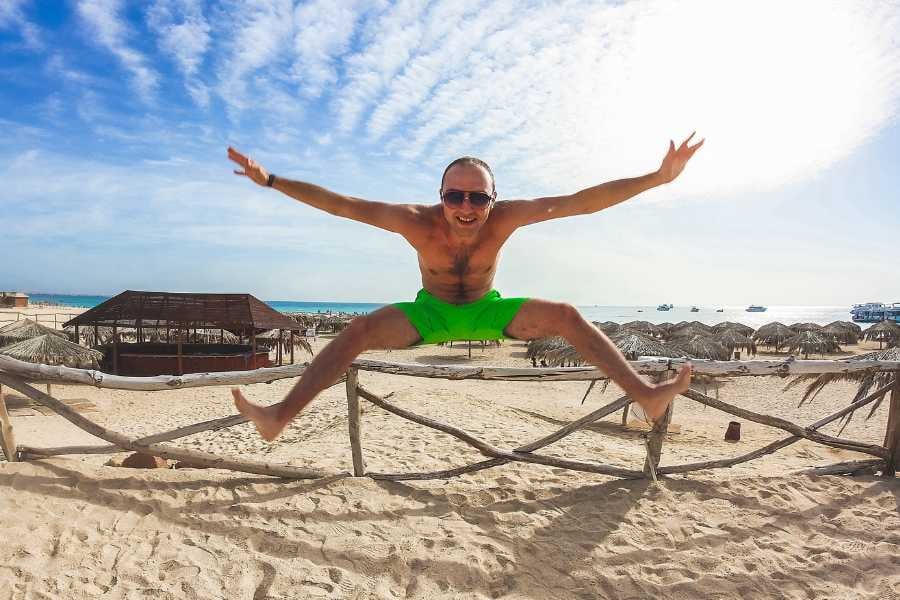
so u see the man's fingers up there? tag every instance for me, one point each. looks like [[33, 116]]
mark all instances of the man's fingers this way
[[237, 156], [696, 146]]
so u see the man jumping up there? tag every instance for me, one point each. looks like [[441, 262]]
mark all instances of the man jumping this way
[[458, 242]]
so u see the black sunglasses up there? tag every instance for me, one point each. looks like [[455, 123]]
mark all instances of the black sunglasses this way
[[456, 198]]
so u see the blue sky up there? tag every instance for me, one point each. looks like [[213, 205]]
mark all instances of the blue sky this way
[[116, 116]]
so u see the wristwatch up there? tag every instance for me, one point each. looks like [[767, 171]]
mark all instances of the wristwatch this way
[[271, 180]]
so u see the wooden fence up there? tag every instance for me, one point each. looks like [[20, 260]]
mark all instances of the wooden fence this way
[[20, 375], [54, 318]]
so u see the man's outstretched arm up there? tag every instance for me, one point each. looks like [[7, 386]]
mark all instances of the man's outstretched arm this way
[[397, 218], [593, 199]]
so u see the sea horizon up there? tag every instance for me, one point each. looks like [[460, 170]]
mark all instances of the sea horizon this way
[[788, 314]]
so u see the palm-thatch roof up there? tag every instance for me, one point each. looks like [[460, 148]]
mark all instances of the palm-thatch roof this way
[[25, 329], [733, 340], [607, 327], [886, 332], [773, 334], [847, 325], [239, 313], [645, 327], [270, 340], [538, 348], [726, 325], [840, 331], [665, 328], [633, 344], [798, 327], [810, 342], [51, 349], [867, 380], [87, 337], [687, 332], [695, 324], [701, 346]]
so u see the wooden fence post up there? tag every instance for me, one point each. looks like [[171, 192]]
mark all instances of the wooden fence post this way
[[353, 420], [892, 431], [6, 432], [657, 433]]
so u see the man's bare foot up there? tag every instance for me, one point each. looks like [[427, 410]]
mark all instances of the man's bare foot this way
[[657, 399], [265, 418]]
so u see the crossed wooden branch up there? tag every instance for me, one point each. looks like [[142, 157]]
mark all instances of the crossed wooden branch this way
[[16, 375]]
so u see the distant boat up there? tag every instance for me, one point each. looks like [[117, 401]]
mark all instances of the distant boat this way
[[755, 308], [665, 307], [695, 309], [875, 312], [720, 310], [640, 310]]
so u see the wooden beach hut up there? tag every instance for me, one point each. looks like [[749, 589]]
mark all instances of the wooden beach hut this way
[[174, 317], [13, 300]]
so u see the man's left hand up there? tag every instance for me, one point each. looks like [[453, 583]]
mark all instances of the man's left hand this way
[[676, 158]]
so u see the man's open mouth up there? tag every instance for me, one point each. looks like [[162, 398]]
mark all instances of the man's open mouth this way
[[466, 219]]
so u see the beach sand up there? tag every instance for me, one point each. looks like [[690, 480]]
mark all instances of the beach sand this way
[[73, 527]]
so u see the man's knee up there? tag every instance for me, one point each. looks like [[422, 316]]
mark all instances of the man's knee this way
[[567, 317], [359, 330]]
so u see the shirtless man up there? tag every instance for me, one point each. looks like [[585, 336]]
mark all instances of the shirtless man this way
[[458, 241]]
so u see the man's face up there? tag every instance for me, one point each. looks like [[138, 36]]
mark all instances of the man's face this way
[[466, 219]]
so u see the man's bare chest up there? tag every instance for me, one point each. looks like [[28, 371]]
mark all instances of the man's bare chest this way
[[443, 260]]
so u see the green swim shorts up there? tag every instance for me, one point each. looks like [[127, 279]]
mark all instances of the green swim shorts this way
[[439, 321]]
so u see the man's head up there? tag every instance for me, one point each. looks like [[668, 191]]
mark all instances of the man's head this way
[[467, 194]]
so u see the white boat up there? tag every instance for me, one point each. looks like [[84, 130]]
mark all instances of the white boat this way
[[875, 312], [665, 307], [695, 309], [756, 308]]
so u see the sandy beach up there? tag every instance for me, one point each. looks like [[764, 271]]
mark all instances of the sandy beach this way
[[74, 527]]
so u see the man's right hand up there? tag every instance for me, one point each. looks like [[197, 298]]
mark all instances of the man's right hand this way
[[249, 167]]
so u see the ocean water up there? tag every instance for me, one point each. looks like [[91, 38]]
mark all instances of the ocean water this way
[[619, 314]]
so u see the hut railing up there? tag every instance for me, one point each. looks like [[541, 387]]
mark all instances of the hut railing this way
[[19, 375]]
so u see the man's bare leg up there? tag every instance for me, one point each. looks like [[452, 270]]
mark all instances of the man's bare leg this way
[[539, 318], [385, 328]]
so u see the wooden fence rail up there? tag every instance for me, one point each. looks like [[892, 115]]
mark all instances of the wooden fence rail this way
[[19, 375]]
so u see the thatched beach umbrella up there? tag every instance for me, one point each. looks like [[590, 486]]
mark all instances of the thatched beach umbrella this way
[[270, 339], [885, 332], [25, 329], [809, 342], [773, 334], [840, 331], [607, 327], [104, 335], [665, 328], [537, 348], [686, 332], [798, 327], [702, 346], [866, 379], [726, 325], [645, 327], [51, 349], [733, 340], [633, 345]]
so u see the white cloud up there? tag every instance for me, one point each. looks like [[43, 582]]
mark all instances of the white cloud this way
[[12, 15], [184, 35], [568, 94], [109, 30], [323, 32], [389, 40], [256, 35]]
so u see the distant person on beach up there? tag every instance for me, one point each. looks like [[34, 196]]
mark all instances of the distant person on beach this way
[[458, 241]]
